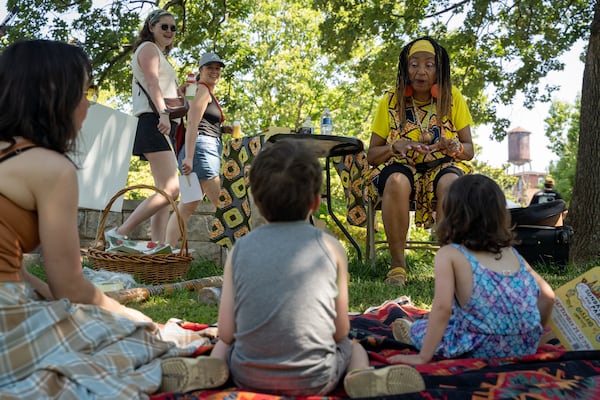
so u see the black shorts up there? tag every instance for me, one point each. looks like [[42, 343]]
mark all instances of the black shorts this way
[[148, 138], [383, 176]]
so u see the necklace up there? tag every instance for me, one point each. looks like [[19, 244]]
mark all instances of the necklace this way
[[426, 134]]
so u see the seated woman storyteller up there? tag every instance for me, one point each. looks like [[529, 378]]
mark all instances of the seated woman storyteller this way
[[421, 153]]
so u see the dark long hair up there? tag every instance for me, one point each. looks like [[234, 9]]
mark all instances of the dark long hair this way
[[442, 65], [42, 85], [475, 215], [145, 34]]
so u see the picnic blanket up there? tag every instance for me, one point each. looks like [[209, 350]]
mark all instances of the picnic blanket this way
[[551, 373], [63, 350]]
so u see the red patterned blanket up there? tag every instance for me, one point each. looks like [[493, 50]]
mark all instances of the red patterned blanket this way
[[552, 373]]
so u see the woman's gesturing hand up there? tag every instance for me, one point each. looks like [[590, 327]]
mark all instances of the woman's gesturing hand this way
[[451, 147], [401, 147]]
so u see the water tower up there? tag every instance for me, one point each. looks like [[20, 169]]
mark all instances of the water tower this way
[[518, 156], [518, 147]]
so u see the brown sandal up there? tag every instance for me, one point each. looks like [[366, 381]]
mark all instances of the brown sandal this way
[[396, 276]]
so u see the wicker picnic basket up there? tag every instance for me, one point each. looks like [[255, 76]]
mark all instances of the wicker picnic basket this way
[[147, 268]]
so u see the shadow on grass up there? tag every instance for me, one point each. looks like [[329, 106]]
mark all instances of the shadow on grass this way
[[366, 288]]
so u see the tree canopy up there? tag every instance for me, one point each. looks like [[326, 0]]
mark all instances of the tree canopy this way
[[562, 129], [287, 59]]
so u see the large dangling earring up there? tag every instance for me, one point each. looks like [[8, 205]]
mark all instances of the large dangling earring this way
[[434, 91], [408, 90]]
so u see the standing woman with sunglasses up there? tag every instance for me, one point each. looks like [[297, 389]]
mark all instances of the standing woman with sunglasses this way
[[153, 73]]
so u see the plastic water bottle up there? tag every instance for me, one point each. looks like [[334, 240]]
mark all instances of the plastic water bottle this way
[[307, 127], [326, 123], [190, 90]]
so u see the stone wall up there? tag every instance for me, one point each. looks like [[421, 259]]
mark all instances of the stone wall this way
[[198, 229]]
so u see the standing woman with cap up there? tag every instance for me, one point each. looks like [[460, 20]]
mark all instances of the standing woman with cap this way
[[420, 134], [201, 152], [153, 73]]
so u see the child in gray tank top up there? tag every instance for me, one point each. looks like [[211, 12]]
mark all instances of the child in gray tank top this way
[[283, 316]]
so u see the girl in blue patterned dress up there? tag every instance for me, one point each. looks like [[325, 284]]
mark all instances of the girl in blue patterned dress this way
[[488, 301]]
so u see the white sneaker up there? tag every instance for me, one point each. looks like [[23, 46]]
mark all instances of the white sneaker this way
[[112, 233], [395, 379], [182, 375]]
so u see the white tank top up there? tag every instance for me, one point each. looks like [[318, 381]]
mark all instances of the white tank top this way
[[167, 80]]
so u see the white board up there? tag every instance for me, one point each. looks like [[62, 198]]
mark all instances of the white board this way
[[103, 155]]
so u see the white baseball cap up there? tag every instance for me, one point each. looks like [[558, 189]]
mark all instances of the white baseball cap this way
[[209, 58]]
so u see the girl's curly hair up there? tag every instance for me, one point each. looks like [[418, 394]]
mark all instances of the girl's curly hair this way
[[475, 215]]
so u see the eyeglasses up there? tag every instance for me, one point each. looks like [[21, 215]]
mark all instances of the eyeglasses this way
[[165, 27], [91, 94]]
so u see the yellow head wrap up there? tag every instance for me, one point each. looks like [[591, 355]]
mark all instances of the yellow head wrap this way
[[421, 45]]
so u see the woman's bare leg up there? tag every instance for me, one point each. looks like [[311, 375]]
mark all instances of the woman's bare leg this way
[[395, 209], [442, 187], [164, 172], [173, 231], [210, 187]]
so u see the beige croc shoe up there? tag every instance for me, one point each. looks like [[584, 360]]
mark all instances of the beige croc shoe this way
[[182, 375], [395, 379], [401, 330]]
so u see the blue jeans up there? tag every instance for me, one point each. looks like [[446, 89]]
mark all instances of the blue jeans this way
[[207, 157]]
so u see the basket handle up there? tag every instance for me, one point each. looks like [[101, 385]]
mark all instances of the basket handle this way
[[180, 221]]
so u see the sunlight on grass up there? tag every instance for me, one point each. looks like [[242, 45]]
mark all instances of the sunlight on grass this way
[[366, 286]]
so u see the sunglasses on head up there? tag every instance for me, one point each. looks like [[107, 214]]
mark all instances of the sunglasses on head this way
[[165, 27]]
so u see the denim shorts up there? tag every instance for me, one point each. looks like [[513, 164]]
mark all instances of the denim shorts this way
[[207, 158]]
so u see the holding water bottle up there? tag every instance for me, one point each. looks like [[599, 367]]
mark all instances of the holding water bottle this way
[[190, 90], [326, 122]]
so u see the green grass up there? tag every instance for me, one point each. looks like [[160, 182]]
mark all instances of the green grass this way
[[366, 286]]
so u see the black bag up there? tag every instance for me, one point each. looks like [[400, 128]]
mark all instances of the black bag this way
[[538, 214], [544, 244], [177, 106], [539, 239]]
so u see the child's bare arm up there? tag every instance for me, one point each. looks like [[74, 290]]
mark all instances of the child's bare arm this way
[[546, 297], [441, 309], [342, 322], [226, 318]]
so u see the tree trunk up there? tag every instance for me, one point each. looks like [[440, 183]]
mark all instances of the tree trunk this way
[[584, 208]]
